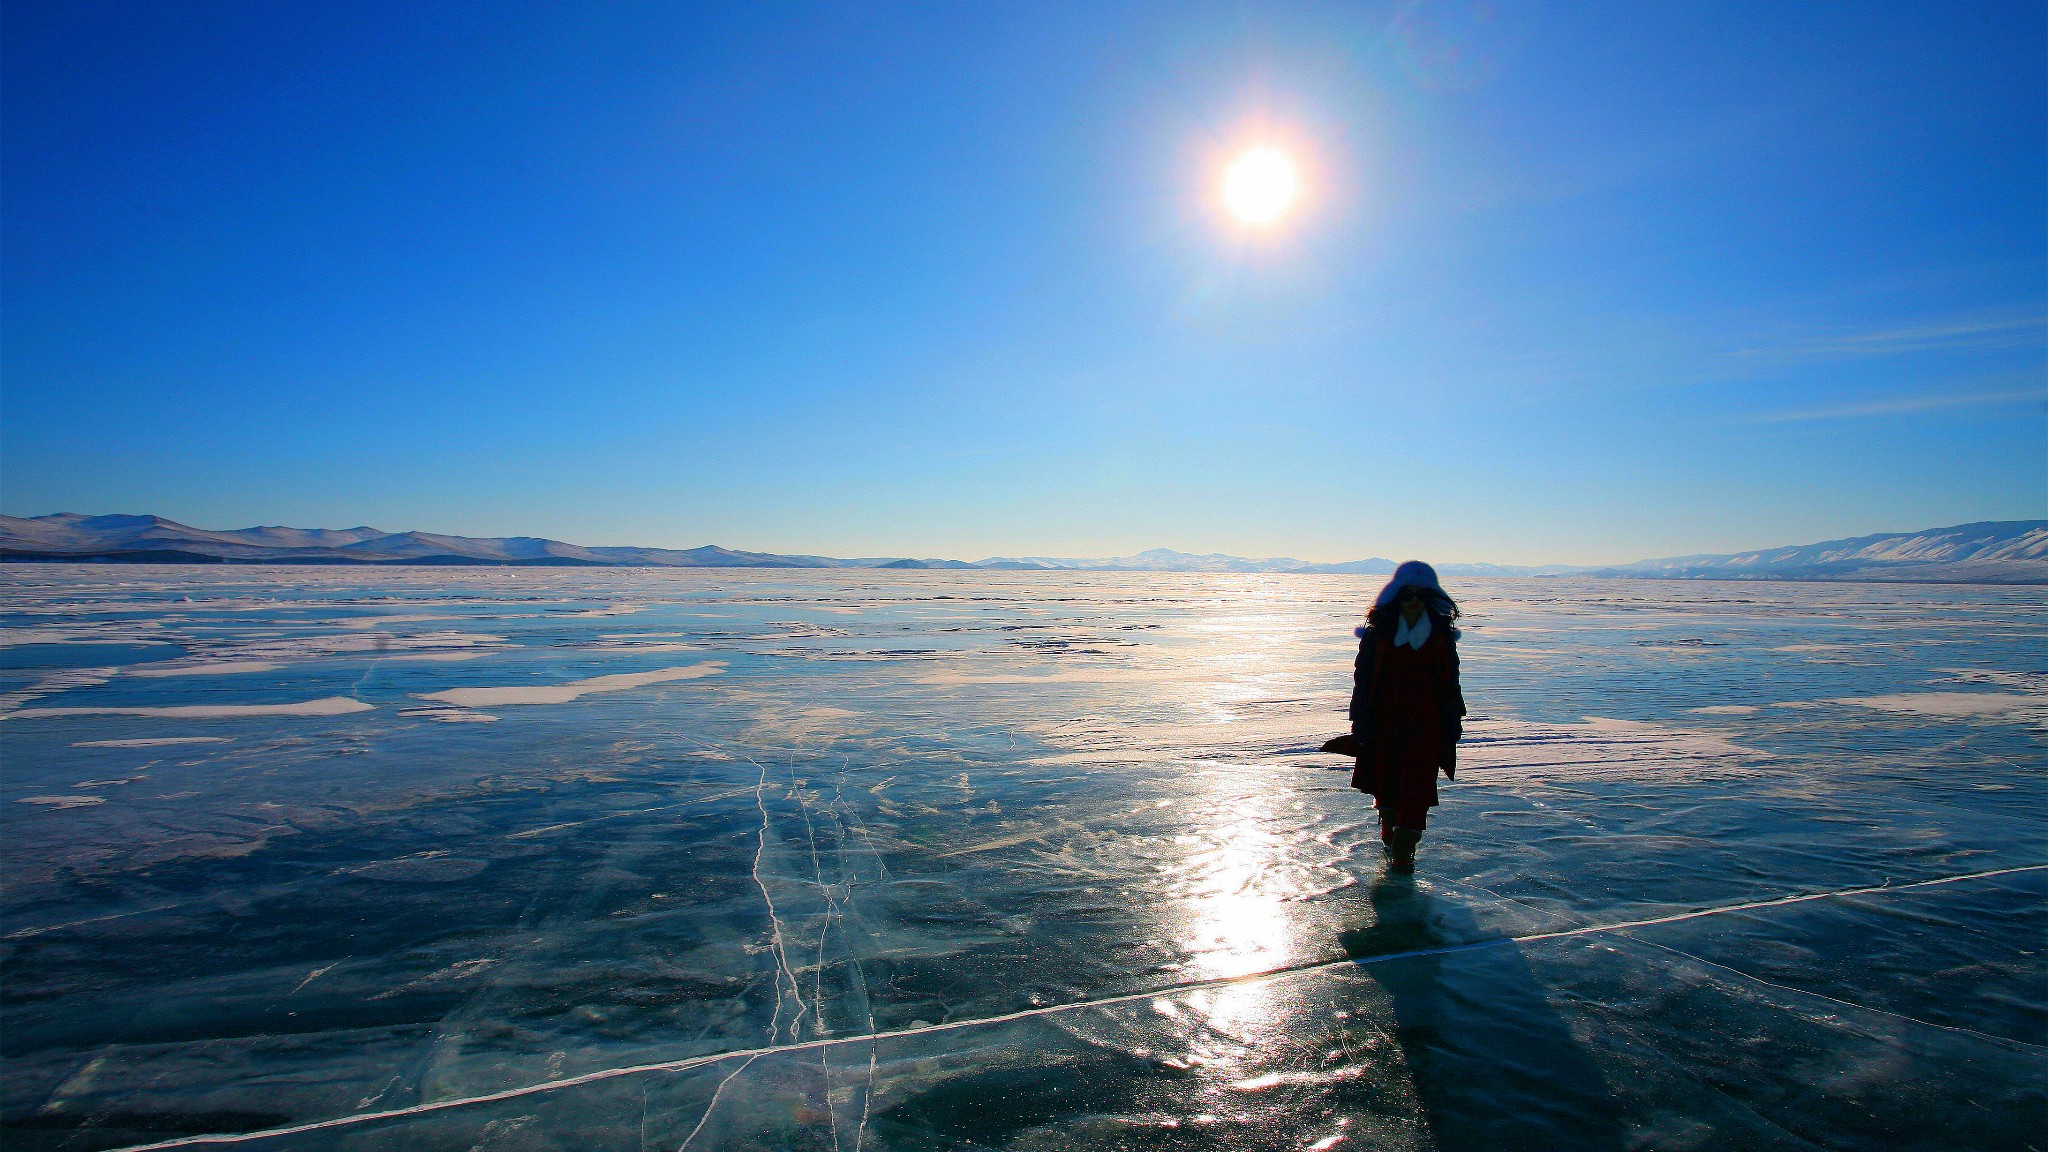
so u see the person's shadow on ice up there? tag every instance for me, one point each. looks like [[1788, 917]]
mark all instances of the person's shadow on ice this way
[[1494, 1064]]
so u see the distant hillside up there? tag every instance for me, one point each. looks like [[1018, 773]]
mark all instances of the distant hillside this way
[[1996, 552], [68, 536], [1167, 560], [2001, 552]]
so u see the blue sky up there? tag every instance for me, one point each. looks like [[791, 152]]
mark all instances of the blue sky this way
[[1569, 283]]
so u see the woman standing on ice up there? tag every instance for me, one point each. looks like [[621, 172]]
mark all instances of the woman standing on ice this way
[[1406, 707]]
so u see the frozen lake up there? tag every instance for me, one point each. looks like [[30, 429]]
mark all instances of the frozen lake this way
[[848, 859]]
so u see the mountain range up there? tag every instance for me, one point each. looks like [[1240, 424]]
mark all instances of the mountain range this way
[[1996, 552]]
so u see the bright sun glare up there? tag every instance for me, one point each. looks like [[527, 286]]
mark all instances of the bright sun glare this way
[[1261, 186]]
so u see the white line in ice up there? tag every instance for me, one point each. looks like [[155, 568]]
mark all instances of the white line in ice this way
[[776, 945], [634, 812], [712, 1105], [21, 933], [315, 974], [752, 1054], [1756, 979]]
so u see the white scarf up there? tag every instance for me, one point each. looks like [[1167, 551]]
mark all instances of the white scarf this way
[[1412, 637]]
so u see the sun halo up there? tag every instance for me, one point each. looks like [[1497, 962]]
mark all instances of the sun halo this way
[[1261, 185]]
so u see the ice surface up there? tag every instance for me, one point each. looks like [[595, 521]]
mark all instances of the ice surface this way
[[1030, 860]]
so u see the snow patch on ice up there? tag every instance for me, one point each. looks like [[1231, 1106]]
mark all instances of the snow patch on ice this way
[[54, 683], [12, 637], [564, 693], [641, 649], [152, 741], [1954, 704], [326, 706], [217, 668], [373, 621], [63, 801]]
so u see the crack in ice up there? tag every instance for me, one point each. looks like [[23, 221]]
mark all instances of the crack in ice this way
[[1798, 991], [751, 1054], [776, 945]]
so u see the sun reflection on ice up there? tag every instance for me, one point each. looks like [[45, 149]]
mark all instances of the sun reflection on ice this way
[[1231, 880], [1244, 654], [1236, 926]]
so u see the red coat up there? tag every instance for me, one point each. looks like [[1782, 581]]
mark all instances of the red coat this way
[[1407, 712]]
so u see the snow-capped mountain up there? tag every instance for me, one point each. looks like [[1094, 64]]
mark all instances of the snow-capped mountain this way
[[1996, 551], [2009, 551]]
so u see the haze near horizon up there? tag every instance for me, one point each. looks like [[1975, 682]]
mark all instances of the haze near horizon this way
[[1525, 285]]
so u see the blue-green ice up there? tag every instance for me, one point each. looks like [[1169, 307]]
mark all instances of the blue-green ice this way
[[509, 859]]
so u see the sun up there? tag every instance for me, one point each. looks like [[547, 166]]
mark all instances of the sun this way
[[1261, 186]]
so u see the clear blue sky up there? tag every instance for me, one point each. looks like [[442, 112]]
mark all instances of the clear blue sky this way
[[1573, 282]]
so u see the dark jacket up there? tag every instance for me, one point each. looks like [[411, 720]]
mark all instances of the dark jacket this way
[[1450, 699]]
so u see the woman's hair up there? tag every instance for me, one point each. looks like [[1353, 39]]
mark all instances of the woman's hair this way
[[1439, 604], [1412, 574]]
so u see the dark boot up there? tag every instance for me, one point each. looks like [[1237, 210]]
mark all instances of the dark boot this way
[[1401, 847], [1386, 832]]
